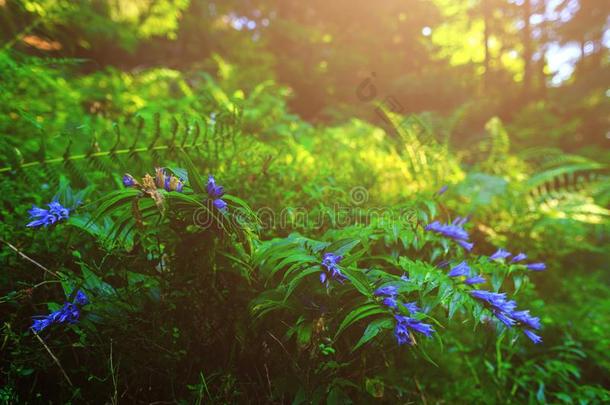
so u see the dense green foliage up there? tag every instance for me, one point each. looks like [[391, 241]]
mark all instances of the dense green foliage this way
[[189, 303]]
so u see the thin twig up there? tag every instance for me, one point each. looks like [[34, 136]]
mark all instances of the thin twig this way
[[115, 396], [268, 380], [54, 358], [421, 392], [20, 253], [283, 347]]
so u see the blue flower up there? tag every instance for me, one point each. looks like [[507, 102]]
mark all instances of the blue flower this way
[[40, 324], [466, 245], [401, 332], [519, 257], [215, 192], [58, 210], [390, 302], [69, 313], [421, 327], [330, 262], [461, 269], [505, 311], [220, 204], [412, 307], [504, 318], [442, 190], [536, 266], [499, 254], [453, 231], [166, 181], [500, 307], [478, 279], [80, 298], [128, 180], [403, 326], [42, 217], [524, 318], [388, 290], [487, 296], [532, 336]]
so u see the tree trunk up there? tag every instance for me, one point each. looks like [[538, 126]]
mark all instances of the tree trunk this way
[[486, 35], [527, 50]]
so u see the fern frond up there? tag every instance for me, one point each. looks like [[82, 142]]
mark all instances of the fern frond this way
[[94, 155]]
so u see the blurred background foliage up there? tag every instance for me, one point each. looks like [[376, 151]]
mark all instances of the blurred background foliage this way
[[293, 104]]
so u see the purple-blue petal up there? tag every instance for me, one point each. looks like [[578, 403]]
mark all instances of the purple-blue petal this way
[[388, 290], [536, 266], [519, 257], [81, 298], [220, 204], [461, 269], [499, 254], [532, 336], [478, 279]]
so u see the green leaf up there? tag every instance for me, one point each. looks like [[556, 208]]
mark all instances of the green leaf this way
[[304, 331], [497, 278], [455, 303], [296, 258], [518, 280], [358, 280], [117, 200], [540, 393], [197, 183], [297, 280], [373, 330], [361, 312], [375, 387], [343, 246], [94, 283], [336, 396], [179, 172], [300, 397]]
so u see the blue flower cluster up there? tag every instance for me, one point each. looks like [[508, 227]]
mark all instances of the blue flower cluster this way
[[41, 217], [502, 254], [215, 192], [166, 181], [404, 324], [162, 180], [454, 230], [330, 264], [69, 313], [389, 294], [505, 311]]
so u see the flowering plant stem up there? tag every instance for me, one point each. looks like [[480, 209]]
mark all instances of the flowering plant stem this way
[[55, 359]]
